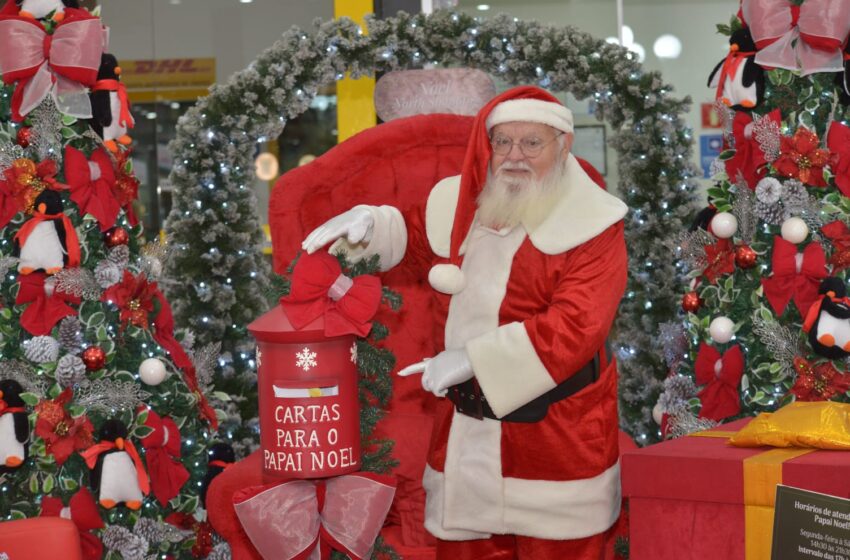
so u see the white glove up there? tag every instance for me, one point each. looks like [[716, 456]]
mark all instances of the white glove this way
[[356, 225], [447, 368]]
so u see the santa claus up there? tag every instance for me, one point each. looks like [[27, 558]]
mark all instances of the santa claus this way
[[530, 255]]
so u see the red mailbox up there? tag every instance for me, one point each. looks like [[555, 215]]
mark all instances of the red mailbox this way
[[309, 410]]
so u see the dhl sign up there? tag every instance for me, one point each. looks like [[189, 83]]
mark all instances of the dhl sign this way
[[173, 79]]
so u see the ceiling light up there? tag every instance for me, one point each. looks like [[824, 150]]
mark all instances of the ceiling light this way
[[667, 46], [245, 1], [638, 49], [628, 36], [483, 7]]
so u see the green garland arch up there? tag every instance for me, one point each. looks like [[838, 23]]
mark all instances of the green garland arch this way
[[214, 227]]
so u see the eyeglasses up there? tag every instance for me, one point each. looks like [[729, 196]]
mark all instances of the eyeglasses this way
[[530, 147]]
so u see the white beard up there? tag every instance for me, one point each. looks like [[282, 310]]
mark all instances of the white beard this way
[[506, 201]]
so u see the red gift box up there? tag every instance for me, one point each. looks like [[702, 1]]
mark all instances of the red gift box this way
[[697, 497]]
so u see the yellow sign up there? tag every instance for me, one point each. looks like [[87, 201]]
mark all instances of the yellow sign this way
[[355, 98], [167, 79]]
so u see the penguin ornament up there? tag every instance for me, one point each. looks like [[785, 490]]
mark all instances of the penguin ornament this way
[[40, 9], [117, 473], [14, 426], [48, 240], [111, 116], [221, 456], [828, 321], [738, 78]]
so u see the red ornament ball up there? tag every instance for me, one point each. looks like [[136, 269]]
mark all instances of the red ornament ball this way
[[94, 357], [116, 236], [691, 302], [24, 136], [745, 257]]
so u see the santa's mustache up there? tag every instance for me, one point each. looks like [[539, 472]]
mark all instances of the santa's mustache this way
[[513, 166]]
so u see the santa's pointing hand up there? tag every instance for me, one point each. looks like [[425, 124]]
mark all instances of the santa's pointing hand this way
[[355, 225], [444, 370]]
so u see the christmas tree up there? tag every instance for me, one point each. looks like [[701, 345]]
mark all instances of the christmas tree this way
[[102, 408], [765, 311]]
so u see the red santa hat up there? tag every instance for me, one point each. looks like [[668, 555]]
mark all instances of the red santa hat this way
[[524, 104]]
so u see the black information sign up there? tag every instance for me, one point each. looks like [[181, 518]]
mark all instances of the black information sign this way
[[808, 525]]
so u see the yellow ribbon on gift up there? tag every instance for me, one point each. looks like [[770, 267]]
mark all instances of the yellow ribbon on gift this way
[[795, 430]]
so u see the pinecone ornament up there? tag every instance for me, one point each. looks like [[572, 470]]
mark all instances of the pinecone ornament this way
[[71, 334], [107, 273], [120, 255], [70, 371], [41, 349]]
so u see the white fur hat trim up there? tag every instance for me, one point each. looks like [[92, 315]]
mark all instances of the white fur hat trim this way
[[531, 110], [447, 278]]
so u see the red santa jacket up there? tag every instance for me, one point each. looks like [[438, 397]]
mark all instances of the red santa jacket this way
[[537, 306]]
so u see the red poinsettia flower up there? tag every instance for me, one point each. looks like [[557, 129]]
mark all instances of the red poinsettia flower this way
[[126, 187], [801, 158], [22, 183], [819, 382], [134, 296], [61, 433], [721, 260], [839, 234], [202, 529]]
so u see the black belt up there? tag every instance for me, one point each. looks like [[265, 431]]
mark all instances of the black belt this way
[[469, 400]]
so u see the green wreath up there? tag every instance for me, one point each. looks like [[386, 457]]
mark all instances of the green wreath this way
[[214, 225]]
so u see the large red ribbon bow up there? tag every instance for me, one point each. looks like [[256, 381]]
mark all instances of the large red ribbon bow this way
[[162, 453], [92, 183], [794, 276], [91, 454], [320, 288], [808, 37], [289, 520], [45, 309], [63, 63], [82, 510], [721, 376], [839, 235], [749, 161]]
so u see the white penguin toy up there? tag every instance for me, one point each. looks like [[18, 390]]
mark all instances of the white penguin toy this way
[[111, 115], [14, 426], [40, 9], [47, 241], [117, 473]]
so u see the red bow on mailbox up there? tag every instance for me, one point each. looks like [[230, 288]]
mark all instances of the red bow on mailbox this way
[[84, 513], [92, 182], [807, 37], [63, 63], [794, 275], [721, 376], [287, 521], [162, 452], [320, 288]]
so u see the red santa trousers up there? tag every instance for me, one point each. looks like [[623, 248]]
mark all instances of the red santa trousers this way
[[517, 547]]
